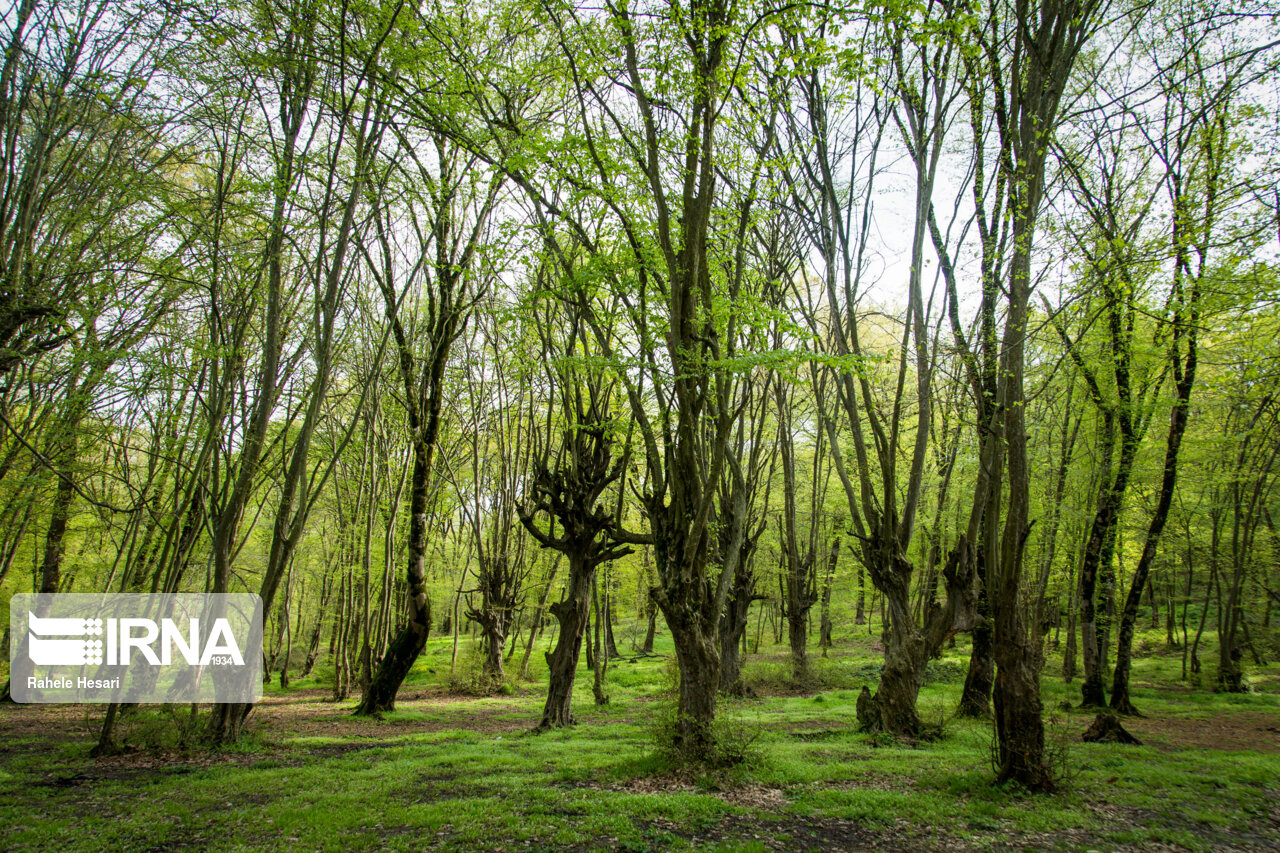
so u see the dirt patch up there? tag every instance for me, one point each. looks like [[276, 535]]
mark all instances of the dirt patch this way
[[871, 782], [132, 766], [43, 725], [755, 797], [787, 689], [810, 833], [337, 750], [787, 832], [312, 713], [1237, 731], [1258, 836]]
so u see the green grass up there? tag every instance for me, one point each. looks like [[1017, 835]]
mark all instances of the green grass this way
[[451, 773]]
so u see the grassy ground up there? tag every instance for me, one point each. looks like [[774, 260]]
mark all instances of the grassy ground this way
[[460, 773]]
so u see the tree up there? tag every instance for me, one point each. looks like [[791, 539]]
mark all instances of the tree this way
[[883, 429], [570, 478], [1194, 141], [1027, 54], [447, 233]]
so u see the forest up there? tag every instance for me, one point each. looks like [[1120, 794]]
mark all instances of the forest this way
[[653, 424]]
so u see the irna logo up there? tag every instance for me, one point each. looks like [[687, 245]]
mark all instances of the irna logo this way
[[49, 644], [136, 648]]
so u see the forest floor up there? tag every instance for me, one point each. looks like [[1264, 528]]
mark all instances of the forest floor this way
[[455, 772]]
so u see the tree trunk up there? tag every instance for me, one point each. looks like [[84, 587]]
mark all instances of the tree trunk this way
[[1069, 653], [892, 708], [650, 608], [824, 623], [860, 608], [539, 617], [288, 647], [1185, 379], [1097, 567], [412, 637], [51, 565], [610, 644], [733, 630], [107, 737], [494, 633], [975, 700], [797, 640], [562, 661], [698, 659], [1230, 654], [601, 662]]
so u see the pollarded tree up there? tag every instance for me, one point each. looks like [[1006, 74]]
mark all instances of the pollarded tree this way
[[698, 277], [650, 98], [570, 477]]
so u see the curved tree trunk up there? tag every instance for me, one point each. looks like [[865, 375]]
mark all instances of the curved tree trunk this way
[[1184, 375], [562, 661], [412, 637]]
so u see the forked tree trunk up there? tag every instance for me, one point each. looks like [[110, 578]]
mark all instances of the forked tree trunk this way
[[892, 708]]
